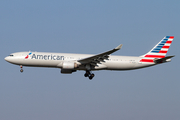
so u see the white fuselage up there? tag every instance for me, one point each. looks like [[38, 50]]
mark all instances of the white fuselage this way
[[56, 60]]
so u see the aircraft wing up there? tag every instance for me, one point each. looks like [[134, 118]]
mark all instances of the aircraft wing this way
[[93, 60]]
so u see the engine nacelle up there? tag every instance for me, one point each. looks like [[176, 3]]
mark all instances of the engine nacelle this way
[[69, 65], [67, 71]]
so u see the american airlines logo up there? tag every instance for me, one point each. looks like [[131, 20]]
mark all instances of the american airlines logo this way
[[28, 55], [47, 57]]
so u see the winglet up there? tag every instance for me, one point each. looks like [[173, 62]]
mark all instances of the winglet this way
[[118, 47]]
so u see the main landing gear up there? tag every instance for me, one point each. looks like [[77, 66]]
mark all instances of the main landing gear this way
[[89, 74], [21, 68]]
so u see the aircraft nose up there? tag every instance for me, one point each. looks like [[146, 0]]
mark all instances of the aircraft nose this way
[[6, 59]]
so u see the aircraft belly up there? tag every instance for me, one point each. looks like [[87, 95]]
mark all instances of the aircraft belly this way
[[142, 65], [100, 67], [120, 65]]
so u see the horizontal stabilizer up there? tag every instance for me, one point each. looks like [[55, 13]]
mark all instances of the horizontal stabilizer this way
[[162, 60]]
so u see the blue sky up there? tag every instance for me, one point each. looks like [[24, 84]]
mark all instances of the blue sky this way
[[89, 26]]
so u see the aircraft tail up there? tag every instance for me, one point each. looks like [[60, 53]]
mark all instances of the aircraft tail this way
[[159, 51]]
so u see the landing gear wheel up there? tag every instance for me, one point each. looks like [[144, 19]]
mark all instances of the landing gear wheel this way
[[86, 75], [21, 70], [91, 76]]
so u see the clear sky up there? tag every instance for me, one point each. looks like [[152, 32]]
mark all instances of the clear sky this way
[[89, 26]]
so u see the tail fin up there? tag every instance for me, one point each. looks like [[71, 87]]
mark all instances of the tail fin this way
[[159, 51]]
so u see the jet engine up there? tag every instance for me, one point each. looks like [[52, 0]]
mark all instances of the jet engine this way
[[69, 65]]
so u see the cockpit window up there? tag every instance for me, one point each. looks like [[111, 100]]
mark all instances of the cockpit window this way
[[11, 55]]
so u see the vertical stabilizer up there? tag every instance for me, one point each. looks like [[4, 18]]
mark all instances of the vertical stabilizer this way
[[158, 51]]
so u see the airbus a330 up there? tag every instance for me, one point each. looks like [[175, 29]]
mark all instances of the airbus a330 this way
[[69, 63]]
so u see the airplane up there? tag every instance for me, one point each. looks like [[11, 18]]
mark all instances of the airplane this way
[[69, 63]]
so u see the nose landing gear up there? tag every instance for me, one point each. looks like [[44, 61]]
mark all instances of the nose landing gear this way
[[21, 68], [89, 74]]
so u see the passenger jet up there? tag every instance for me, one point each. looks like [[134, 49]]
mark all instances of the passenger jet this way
[[69, 63]]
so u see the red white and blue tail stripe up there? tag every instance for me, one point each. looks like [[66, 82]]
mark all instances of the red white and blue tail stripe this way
[[159, 51]]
